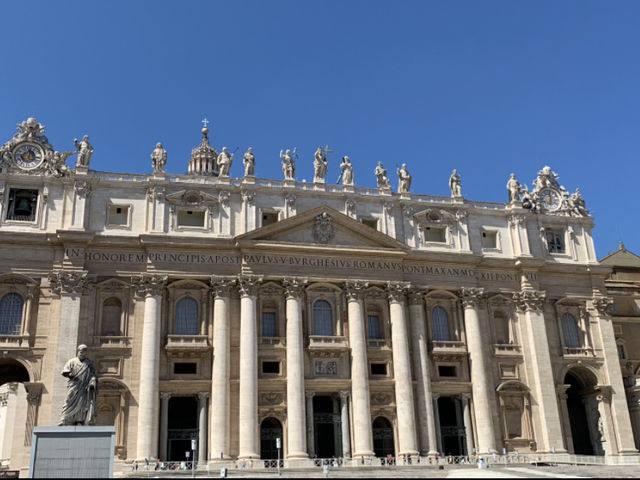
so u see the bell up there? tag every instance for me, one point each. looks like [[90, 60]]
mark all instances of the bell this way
[[23, 207]]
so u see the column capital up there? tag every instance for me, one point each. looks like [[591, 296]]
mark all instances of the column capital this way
[[416, 295], [465, 396], [66, 281], [471, 297], [221, 286], [294, 287], [435, 395], [355, 290], [165, 395], [203, 396], [530, 300], [396, 291], [602, 305], [33, 398], [309, 394], [148, 285], [344, 395], [248, 285]]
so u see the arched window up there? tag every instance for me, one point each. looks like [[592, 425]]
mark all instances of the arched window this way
[[187, 317], [440, 322], [11, 314], [322, 318], [570, 331], [111, 315]]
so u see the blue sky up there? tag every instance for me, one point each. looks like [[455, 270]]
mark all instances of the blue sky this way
[[489, 88]]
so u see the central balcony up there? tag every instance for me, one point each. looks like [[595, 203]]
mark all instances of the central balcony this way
[[507, 350], [327, 343], [450, 349], [187, 346]]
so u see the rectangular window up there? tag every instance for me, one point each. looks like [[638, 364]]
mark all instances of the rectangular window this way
[[22, 205], [269, 218], [191, 218], [378, 369], [269, 324], [621, 353], [374, 327], [435, 234], [181, 368], [489, 239], [271, 367], [118, 215], [370, 222], [447, 371], [555, 241]]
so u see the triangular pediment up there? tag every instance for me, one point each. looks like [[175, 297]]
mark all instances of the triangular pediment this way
[[321, 227], [621, 258]]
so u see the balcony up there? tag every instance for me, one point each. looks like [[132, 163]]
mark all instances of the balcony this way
[[507, 350], [187, 346], [578, 352], [327, 345], [112, 341], [378, 343], [14, 342], [274, 342], [448, 349]]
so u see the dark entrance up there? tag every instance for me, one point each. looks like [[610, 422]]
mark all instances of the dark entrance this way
[[382, 437], [326, 423], [582, 427], [452, 432], [12, 371], [270, 429], [183, 426]]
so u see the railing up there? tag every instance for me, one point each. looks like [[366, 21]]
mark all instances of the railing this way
[[274, 341], [111, 341], [14, 341], [273, 463], [327, 341], [187, 341], [378, 342], [506, 349], [580, 352], [449, 345]]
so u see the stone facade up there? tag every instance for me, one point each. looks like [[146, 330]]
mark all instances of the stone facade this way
[[347, 321]]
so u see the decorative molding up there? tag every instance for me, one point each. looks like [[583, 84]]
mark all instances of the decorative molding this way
[[416, 296], [249, 286], [323, 231], [64, 281], [602, 305], [471, 297], [82, 188], [354, 291], [271, 398], [148, 285], [221, 286], [294, 287], [530, 300], [396, 291]]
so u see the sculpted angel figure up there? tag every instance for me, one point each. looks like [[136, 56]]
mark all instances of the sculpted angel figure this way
[[288, 165], [455, 184], [58, 162], [249, 162], [320, 166], [404, 179], [85, 150], [82, 390], [381, 176], [224, 162], [514, 188], [576, 202], [158, 158], [347, 171]]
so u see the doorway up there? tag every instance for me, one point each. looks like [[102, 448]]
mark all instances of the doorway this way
[[452, 432], [326, 423], [584, 417], [382, 437], [270, 430], [182, 427]]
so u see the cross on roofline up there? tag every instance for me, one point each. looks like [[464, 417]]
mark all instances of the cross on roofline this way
[[326, 150], [205, 122]]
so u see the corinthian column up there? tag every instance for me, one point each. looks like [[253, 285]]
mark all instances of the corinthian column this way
[[220, 410], [548, 430], [483, 399], [150, 287], [248, 401], [69, 286], [297, 431], [422, 369], [407, 444], [360, 398]]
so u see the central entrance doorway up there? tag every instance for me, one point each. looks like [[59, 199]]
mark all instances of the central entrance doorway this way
[[182, 427], [382, 437], [452, 432], [584, 417], [326, 425], [270, 430]]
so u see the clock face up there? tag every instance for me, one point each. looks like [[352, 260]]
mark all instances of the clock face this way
[[28, 155], [550, 199]]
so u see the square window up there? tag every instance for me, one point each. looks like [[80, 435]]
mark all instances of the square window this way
[[370, 222], [489, 239], [378, 369], [269, 218], [191, 218], [555, 241], [435, 234], [22, 205], [118, 215], [271, 367], [447, 371], [181, 368]]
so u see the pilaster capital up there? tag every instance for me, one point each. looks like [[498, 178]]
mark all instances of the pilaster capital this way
[[355, 290], [249, 196], [471, 297], [82, 188], [221, 286], [561, 391], [203, 396], [602, 305], [309, 394], [248, 286], [435, 395], [148, 285], [294, 287], [416, 295], [466, 396], [165, 395], [65, 281], [344, 395], [396, 291], [516, 220], [529, 300], [33, 398]]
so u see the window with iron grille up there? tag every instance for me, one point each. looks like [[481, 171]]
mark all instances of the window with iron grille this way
[[11, 307]]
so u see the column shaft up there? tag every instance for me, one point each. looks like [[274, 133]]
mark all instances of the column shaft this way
[[344, 423], [407, 444], [466, 418], [311, 444], [202, 427], [164, 424], [436, 415]]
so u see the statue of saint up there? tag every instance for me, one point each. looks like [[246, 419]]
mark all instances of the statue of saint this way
[[381, 176], [158, 158], [320, 166], [85, 150], [347, 171], [249, 162], [577, 205], [58, 163], [514, 188], [224, 162], [80, 406], [288, 165], [455, 185], [404, 179]]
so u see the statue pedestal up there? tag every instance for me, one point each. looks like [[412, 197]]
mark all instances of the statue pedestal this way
[[72, 452], [80, 170]]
